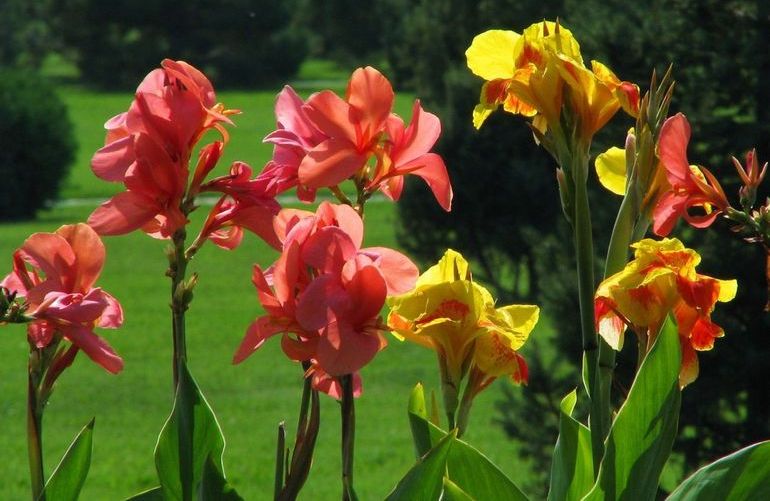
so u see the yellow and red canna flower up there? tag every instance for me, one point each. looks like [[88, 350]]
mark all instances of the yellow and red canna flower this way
[[661, 279], [456, 317], [530, 74]]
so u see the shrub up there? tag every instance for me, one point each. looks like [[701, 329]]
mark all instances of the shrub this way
[[37, 146]]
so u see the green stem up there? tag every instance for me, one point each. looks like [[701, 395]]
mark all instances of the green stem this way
[[35, 436], [586, 287], [179, 304], [348, 437]]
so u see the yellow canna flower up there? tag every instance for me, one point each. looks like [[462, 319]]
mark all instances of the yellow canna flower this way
[[611, 169], [662, 279], [450, 313], [530, 74]]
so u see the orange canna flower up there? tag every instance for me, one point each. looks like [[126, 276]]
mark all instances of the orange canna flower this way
[[661, 279]]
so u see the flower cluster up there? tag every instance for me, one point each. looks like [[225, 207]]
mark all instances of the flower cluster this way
[[148, 148], [326, 140], [325, 293], [538, 72], [661, 279], [55, 274]]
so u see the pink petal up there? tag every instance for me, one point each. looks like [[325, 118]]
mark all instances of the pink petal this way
[[430, 167], [672, 148], [319, 302], [258, 220], [368, 290], [666, 213], [353, 350], [111, 161], [95, 347], [419, 137], [290, 115], [330, 163], [123, 213], [399, 272], [89, 254], [53, 255], [371, 94], [112, 316], [331, 115], [328, 249], [259, 331]]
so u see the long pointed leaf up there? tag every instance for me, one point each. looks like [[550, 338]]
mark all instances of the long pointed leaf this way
[[572, 470], [68, 478], [191, 434], [743, 475], [643, 432], [453, 493], [154, 494], [418, 421], [213, 486], [424, 481]]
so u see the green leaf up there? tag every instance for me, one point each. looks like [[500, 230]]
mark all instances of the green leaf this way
[[424, 480], [191, 434], [453, 493], [473, 472], [213, 486], [68, 478], [643, 432], [154, 494], [418, 421], [572, 470], [743, 475]]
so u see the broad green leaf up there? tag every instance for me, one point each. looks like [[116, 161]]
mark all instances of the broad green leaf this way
[[473, 472], [424, 481], [418, 421], [643, 432], [154, 494], [190, 435], [213, 486], [67, 479], [743, 475], [453, 493], [572, 469]]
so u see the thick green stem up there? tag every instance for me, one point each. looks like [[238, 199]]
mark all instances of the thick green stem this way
[[348, 437], [585, 265], [35, 435], [179, 303]]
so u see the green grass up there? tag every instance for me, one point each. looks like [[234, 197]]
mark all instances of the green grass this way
[[250, 399]]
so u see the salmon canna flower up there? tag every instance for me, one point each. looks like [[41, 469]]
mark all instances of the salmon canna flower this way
[[148, 149], [55, 273], [325, 140], [661, 279], [450, 313], [691, 186], [324, 293], [539, 72]]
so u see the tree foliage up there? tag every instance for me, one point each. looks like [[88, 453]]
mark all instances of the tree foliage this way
[[236, 42]]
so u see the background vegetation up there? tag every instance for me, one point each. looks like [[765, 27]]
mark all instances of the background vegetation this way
[[506, 216]]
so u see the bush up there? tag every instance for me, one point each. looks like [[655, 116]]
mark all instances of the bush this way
[[37, 146]]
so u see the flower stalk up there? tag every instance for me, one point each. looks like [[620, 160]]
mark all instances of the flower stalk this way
[[35, 424], [348, 413]]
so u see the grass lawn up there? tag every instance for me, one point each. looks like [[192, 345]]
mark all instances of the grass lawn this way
[[250, 399]]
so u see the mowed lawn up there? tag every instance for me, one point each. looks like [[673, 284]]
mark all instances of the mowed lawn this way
[[250, 399]]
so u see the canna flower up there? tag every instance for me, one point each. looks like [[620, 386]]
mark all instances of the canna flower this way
[[326, 140], [148, 149], [691, 186], [661, 280], [324, 293], [538, 72], [55, 273], [450, 313]]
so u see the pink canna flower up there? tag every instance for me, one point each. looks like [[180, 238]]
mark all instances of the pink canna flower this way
[[148, 149], [407, 152], [691, 186], [325, 292], [327, 139], [55, 274]]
